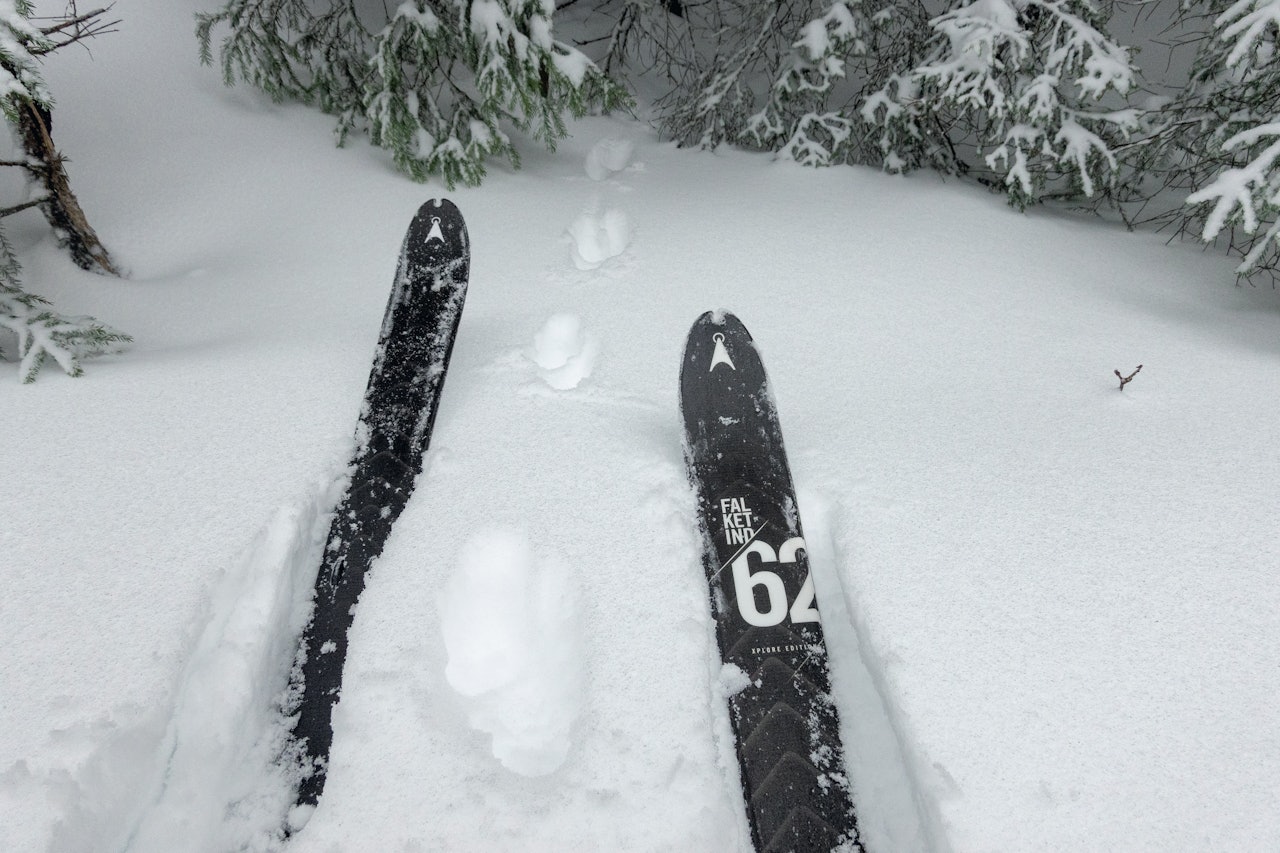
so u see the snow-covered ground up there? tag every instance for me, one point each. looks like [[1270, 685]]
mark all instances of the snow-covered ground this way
[[1052, 606]]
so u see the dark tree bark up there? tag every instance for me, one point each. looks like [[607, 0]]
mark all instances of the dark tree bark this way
[[60, 205], [43, 161]]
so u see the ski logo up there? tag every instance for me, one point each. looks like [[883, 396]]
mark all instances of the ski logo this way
[[435, 233], [736, 516], [721, 355]]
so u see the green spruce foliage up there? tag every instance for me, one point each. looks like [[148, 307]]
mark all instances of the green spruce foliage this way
[[437, 84], [796, 77], [1033, 98], [1037, 87]]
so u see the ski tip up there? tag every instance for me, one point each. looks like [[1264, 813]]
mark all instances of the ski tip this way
[[437, 207], [718, 346], [723, 321], [438, 232]]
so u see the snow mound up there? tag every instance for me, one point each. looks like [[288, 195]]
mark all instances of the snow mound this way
[[510, 623], [564, 351], [607, 157], [599, 237]]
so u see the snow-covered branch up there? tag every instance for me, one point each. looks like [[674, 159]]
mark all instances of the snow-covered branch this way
[[1222, 134], [1026, 78], [793, 120], [436, 83], [31, 331]]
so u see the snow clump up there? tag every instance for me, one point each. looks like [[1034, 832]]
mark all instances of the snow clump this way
[[599, 237], [564, 351], [607, 157], [510, 623]]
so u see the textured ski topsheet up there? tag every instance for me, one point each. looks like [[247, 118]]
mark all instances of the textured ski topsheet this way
[[785, 725], [395, 427]]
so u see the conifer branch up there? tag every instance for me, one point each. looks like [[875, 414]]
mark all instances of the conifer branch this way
[[33, 329]]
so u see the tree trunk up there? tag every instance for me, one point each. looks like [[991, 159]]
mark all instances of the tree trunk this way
[[60, 207]]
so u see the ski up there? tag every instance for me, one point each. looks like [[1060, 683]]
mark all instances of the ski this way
[[785, 725], [399, 409]]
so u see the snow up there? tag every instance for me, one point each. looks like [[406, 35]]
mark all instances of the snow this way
[[510, 623], [1051, 605], [597, 236], [607, 157], [564, 351], [424, 18]]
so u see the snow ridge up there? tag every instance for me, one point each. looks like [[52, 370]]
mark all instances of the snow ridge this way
[[214, 774], [896, 809]]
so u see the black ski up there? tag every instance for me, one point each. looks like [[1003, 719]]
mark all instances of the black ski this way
[[785, 724], [399, 409]]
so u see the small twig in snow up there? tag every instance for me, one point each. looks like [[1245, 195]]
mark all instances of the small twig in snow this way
[[1125, 380]]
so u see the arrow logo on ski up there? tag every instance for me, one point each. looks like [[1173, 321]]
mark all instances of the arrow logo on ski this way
[[721, 355]]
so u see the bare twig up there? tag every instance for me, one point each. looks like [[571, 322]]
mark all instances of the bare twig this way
[[18, 208], [1125, 380], [76, 28]]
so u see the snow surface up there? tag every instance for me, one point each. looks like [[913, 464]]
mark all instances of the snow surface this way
[[1052, 606]]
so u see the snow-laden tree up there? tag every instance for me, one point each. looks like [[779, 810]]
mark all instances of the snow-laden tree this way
[[30, 330], [1029, 93], [1219, 139], [1034, 98], [789, 76], [815, 110], [436, 82], [1035, 87]]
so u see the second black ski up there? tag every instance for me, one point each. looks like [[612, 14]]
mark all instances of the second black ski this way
[[396, 418]]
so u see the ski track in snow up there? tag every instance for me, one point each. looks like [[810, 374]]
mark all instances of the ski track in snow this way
[[896, 812], [210, 773]]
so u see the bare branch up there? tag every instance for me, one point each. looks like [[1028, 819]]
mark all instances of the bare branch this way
[[1125, 380], [76, 28], [18, 208], [34, 168]]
